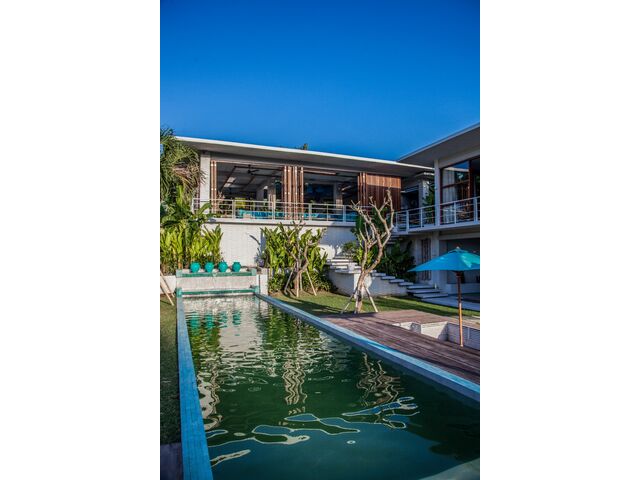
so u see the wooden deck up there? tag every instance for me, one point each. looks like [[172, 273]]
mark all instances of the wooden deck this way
[[382, 328]]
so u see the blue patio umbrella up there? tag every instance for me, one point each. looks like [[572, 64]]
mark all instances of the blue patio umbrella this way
[[457, 261]]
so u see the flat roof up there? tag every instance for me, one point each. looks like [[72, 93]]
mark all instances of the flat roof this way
[[305, 157], [466, 139]]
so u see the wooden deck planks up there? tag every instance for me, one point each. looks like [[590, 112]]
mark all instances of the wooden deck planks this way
[[415, 316], [379, 327]]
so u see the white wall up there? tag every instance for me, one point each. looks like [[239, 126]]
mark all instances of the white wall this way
[[346, 283], [243, 241]]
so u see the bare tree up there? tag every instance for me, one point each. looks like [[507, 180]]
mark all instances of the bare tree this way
[[375, 232]]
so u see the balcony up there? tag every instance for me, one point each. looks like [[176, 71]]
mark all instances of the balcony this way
[[452, 214], [259, 210]]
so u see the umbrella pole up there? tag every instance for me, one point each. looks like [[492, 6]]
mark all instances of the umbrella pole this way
[[460, 309]]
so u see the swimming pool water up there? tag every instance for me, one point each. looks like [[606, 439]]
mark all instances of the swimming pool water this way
[[281, 400]]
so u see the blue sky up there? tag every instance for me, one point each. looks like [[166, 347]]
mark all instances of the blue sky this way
[[375, 79]]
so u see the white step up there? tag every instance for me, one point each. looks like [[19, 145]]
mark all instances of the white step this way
[[417, 286], [388, 277], [406, 284], [417, 291], [397, 280], [426, 296], [378, 274]]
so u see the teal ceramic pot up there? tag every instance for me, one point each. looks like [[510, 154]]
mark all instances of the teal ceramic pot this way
[[236, 266], [195, 267], [222, 266], [208, 267]]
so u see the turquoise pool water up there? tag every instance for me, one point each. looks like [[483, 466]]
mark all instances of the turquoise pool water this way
[[282, 400]]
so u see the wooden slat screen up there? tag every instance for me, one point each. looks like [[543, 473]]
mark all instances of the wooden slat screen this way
[[292, 190], [374, 186]]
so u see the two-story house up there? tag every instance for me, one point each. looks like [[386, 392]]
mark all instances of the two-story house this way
[[435, 191]]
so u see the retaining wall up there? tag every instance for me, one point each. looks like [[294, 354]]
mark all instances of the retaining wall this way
[[346, 282], [242, 241]]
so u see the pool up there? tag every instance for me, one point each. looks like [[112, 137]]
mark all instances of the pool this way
[[280, 399]]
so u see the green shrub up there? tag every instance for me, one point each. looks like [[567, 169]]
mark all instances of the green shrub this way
[[278, 254], [182, 238], [397, 260]]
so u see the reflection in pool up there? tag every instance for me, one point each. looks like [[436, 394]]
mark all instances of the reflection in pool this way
[[281, 399]]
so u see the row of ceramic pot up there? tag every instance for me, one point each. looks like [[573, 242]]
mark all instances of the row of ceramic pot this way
[[208, 267]]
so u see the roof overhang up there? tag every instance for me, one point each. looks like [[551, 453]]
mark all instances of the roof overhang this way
[[293, 156], [467, 139]]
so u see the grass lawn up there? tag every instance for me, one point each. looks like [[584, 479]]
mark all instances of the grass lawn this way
[[331, 303], [169, 387]]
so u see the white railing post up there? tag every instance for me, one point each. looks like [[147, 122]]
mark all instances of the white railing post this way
[[310, 211], [455, 213], [233, 208], [475, 209], [273, 210], [344, 213], [406, 219], [421, 217]]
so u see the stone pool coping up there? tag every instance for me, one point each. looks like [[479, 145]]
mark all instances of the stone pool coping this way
[[196, 464], [420, 367]]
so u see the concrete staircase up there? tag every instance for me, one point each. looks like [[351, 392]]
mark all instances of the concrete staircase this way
[[422, 291], [425, 291]]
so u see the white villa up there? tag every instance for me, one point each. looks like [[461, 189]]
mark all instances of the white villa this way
[[435, 191]]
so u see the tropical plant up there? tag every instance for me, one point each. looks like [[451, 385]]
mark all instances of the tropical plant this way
[[179, 247], [397, 260], [178, 211], [182, 237], [213, 238], [429, 199], [179, 166], [290, 252]]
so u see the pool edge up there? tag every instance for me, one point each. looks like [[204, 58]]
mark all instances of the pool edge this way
[[422, 368], [196, 464]]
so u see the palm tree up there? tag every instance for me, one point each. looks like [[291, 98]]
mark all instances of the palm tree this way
[[179, 165]]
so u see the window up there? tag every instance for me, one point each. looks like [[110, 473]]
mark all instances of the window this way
[[460, 181]]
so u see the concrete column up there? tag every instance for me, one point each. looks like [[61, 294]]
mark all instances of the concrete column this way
[[205, 157], [263, 284], [439, 277], [436, 166]]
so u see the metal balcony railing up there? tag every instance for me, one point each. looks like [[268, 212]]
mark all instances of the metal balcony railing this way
[[451, 213], [265, 210]]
